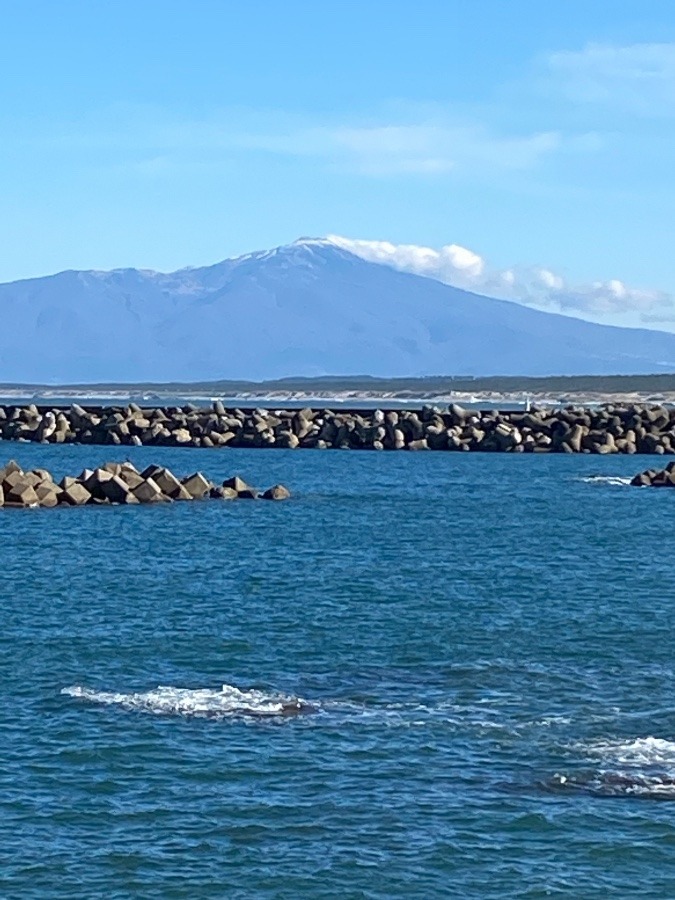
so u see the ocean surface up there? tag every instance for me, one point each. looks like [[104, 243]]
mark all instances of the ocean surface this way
[[426, 675]]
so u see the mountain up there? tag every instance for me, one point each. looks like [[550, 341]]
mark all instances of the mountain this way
[[308, 308]]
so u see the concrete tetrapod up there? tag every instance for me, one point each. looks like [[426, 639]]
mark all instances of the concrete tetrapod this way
[[118, 484]]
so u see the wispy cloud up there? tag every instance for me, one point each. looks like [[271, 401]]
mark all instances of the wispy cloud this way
[[509, 131], [639, 78], [435, 148], [609, 301], [419, 143]]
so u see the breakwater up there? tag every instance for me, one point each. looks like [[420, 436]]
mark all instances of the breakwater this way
[[607, 429], [119, 484], [656, 477]]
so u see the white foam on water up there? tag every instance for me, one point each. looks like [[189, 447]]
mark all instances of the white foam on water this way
[[606, 479], [411, 714], [647, 751], [228, 702], [549, 721], [642, 767]]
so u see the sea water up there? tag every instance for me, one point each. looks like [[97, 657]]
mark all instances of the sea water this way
[[425, 675]]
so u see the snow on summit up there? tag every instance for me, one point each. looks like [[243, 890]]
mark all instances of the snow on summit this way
[[315, 306]]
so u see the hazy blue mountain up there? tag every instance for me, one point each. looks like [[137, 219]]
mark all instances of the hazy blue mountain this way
[[308, 308]]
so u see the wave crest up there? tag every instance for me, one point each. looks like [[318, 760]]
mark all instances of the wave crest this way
[[228, 702], [606, 479], [642, 768], [647, 751]]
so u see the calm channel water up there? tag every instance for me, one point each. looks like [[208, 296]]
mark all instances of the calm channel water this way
[[484, 644]]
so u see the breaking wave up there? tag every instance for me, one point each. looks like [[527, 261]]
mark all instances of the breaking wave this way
[[606, 479], [648, 751], [643, 767], [207, 703]]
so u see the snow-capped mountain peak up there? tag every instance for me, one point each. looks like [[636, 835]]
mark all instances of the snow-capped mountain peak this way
[[306, 308]]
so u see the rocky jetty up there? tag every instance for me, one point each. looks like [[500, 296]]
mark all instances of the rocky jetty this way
[[119, 483], [607, 429], [656, 477]]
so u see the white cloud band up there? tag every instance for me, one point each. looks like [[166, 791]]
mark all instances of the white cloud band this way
[[535, 286]]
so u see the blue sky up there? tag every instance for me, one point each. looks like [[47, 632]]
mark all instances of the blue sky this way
[[162, 134]]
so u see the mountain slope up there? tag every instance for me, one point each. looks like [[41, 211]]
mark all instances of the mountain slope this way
[[308, 308]]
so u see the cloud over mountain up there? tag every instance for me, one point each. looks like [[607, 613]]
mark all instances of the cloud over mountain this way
[[315, 306], [532, 285]]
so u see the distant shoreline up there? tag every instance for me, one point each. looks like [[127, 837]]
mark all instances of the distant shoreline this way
[[482, 400], [436, 384], [362, 392]]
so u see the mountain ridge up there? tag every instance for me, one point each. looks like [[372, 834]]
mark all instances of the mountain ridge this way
[[307, 308]]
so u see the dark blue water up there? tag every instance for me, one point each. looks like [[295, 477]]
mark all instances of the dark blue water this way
[[487, 640]]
